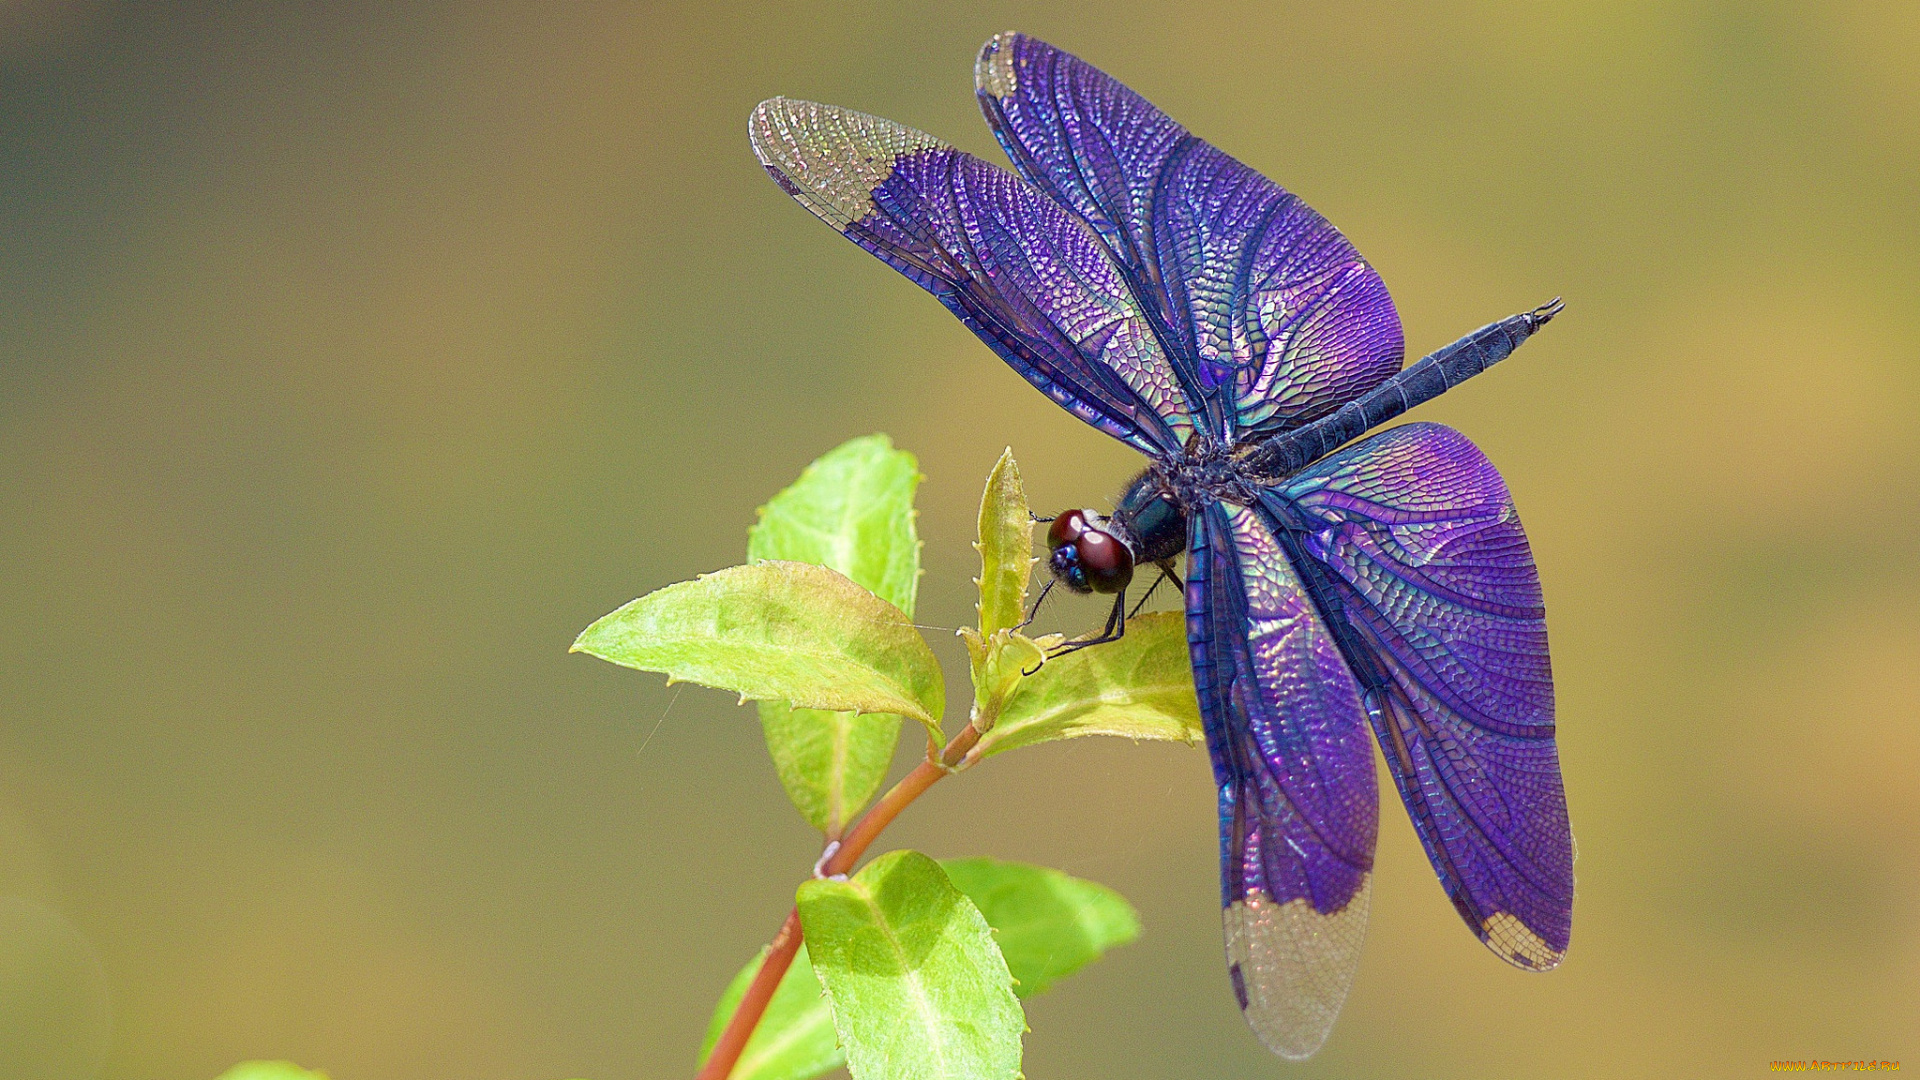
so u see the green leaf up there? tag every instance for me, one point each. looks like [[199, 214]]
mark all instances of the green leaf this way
[[918, 988], [1048, 925], [794, 1039], [1140, 687], [996, 665], [831, 763], [998, 654], [851, 511], [1005, 547], [778, 630], [270, 1070]]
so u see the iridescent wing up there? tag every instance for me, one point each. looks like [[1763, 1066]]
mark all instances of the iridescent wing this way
[[1274, 317], [1411, 538], [1019, 271], [1299, 809]]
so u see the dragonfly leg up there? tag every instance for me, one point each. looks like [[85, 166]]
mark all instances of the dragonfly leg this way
[[1166, 574], [1034, 611], [1166, 567], [1146, 596], [1115, 629]]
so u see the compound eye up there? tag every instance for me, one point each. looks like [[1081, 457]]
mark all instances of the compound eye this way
[[1065, 565], [1105, 560], [1067, 528]]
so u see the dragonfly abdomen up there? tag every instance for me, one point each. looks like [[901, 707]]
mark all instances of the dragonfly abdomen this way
[[1288, 453]]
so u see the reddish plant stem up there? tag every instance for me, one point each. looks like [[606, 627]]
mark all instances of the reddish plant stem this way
[[910, 787], [786, 944], [838, 860]]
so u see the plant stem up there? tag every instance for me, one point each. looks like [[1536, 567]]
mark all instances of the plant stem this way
[[786, 943], [882, 813]]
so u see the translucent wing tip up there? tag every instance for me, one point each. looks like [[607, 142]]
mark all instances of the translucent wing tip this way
[[831, 159], [1291, 966], [1516, 943], [993, 71]]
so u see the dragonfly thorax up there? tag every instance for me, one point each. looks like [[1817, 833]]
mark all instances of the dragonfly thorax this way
[[1205, 471], [1150, 516]]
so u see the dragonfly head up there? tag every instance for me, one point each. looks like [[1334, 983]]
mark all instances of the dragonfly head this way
[[1087, 557]]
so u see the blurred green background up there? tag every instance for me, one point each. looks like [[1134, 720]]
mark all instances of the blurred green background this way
[[354, 356]]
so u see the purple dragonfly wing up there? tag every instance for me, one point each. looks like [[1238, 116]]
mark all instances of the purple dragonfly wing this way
[[1018, 270], [1275, 319], [1299, 809], [1413, 537]]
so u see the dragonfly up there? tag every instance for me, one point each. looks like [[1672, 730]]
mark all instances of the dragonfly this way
[[1336, 582]]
